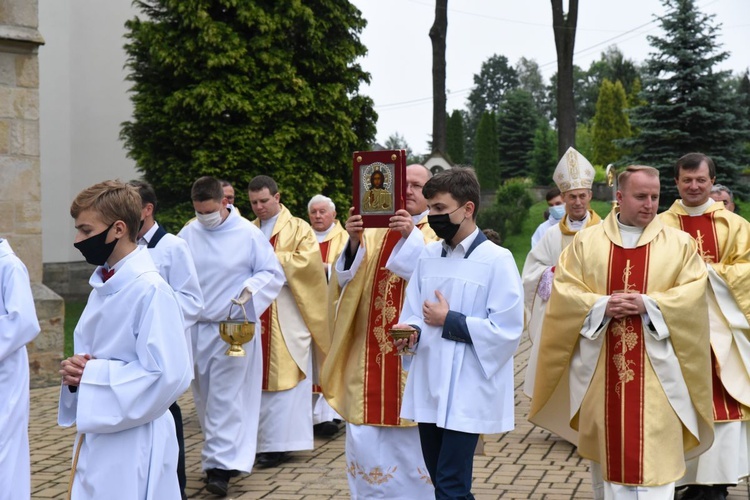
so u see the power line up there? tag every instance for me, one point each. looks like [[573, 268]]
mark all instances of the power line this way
[[413, 102]]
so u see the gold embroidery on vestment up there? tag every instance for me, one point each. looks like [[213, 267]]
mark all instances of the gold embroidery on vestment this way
[[374, 476], [705, 255], [387, 311]]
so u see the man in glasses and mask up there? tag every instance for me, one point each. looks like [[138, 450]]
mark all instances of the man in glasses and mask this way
[[235, 265], [574, 176], [132, 360]]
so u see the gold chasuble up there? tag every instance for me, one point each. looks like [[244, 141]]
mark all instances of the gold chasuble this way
[[641, 398], [362, 377], [723, 240], [330, 249], [284, 351], [333, 244]]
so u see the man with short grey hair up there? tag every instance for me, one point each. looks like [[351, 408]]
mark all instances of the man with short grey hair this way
[[721, 193]]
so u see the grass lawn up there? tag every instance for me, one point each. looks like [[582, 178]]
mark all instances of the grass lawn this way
[[73, 310]]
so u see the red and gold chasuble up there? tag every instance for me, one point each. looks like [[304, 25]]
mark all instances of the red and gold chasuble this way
[[703, 229], [265, 330], [382, 384], [325, 247], [624, 374]]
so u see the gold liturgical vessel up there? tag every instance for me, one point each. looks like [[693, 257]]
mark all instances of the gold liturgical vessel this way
[[236, 332], [402, 334]]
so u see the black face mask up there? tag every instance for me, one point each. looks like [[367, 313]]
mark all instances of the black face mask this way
[[443, 226], [95, 249]]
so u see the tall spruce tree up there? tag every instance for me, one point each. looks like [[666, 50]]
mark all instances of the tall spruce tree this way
[[496, 77], [516, 126], [543, 158], [456, 137], [687, 106], [486, 160], [610, 123], [235, 89]]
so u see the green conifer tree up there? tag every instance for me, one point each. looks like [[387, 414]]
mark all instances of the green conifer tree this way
[[687, 106], [544, 155], [235, 89], [486, 161], [456, 137], [610, 123], [517, 124]]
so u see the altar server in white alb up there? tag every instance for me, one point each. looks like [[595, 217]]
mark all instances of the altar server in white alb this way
[[465, 302], [18, 327], [172, 258], [236, 265], [131, 363]]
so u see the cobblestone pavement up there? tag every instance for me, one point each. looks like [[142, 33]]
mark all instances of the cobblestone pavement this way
[[525, 463]]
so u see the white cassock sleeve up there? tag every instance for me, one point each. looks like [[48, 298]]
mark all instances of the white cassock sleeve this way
[[18, 322], [266, 280], [183, 279], [496, 337], [403, 258], [344, 276], [116, 395]]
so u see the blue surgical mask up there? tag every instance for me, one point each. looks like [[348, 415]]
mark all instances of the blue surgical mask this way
[[557, 212]]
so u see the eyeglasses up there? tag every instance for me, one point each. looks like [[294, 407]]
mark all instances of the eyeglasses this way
[[415, 187]]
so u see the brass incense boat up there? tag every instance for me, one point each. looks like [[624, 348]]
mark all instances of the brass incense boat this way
[[236, 332], [402, 334]]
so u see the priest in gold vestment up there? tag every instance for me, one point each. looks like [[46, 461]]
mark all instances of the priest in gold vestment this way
[[622, 357], [288, 328], [723, 240], [362, 377], [331, 238], [574, 176]]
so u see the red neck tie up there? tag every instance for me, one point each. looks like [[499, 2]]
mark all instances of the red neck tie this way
[[107, 274]]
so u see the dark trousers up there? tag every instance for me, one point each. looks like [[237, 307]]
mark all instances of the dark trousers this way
[[449, 456], [177, 415]]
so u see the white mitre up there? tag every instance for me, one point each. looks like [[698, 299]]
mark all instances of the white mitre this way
[[573, 172]]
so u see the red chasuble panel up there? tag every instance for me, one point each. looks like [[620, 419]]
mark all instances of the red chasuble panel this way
[[324, 247], [382, 397], [624, 373], [703, 229], [265, 330]]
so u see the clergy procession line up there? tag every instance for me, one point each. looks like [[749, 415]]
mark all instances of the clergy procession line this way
[[638, 324]]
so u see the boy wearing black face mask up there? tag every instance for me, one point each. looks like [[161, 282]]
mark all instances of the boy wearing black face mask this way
[[133, 361], [465, 304]]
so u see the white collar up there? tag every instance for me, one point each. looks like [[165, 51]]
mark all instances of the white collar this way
[[146, 238], [699, 210]]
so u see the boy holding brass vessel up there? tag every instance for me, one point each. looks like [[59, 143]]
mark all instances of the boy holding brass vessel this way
[[132, 363], [465, 304]]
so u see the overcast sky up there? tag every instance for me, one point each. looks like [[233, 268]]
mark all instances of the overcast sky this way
[[400, 52]]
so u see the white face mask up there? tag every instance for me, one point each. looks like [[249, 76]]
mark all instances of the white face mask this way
[[209, 221], [557, 211]]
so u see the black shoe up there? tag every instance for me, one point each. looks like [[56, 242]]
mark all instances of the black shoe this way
[[702, 492], [325, 429], [218, 481], [271, 459]]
